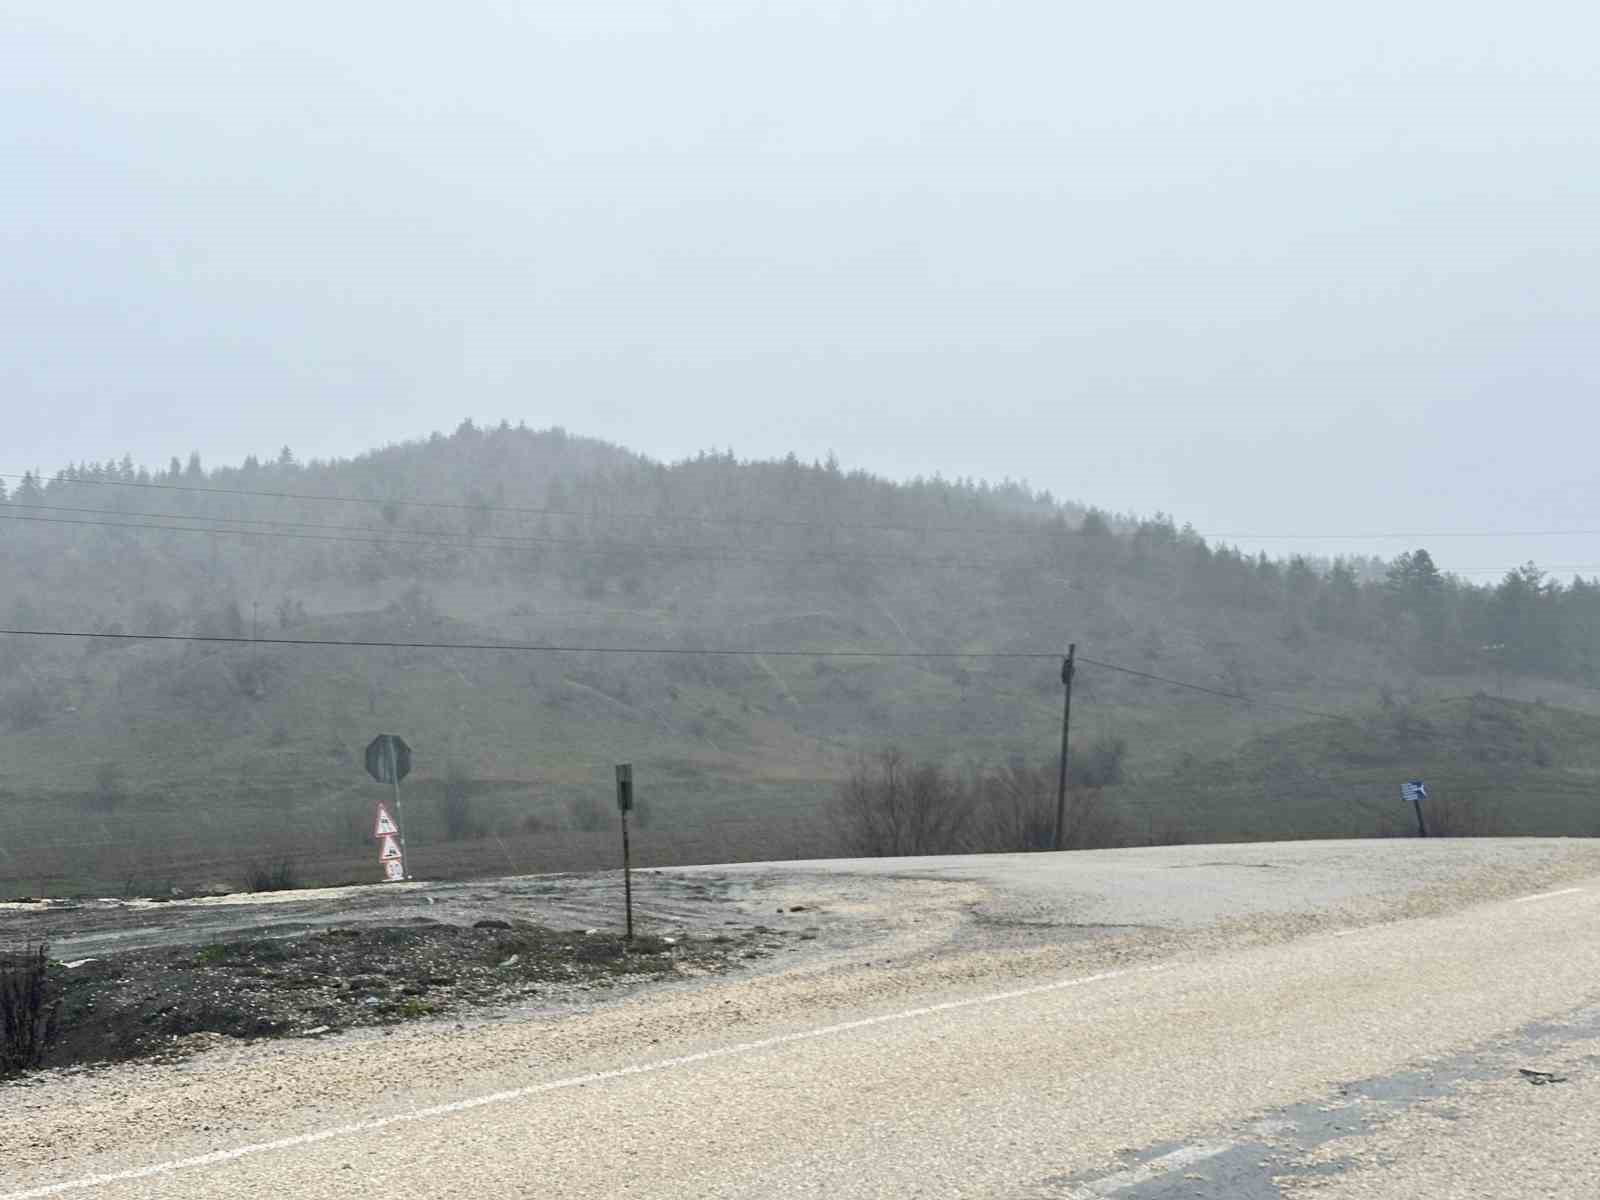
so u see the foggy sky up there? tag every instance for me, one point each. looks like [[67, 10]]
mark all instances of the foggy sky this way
[[1273, 268]]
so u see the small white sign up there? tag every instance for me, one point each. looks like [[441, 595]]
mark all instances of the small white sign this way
[[393, 871], [1413, 790], [390, 850], [384, 823]]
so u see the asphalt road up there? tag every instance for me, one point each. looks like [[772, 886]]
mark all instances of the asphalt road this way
[[1327, 1019]]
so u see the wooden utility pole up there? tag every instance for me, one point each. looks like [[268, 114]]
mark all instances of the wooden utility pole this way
[[1066, 723]]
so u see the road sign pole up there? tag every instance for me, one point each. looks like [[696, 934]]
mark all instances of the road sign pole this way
[[627, 876], [388, 760], [1422, 827], [624, 804], [399, 818]]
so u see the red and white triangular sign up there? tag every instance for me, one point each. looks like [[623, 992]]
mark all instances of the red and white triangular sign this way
[[390, 850], [383, 823], [393, 871]]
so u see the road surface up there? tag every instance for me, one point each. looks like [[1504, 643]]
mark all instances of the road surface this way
[[1317, 1019]]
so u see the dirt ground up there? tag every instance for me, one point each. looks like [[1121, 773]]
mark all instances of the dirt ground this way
[[141, 979]]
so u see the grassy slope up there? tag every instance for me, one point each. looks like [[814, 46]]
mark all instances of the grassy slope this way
[[1493, 766]]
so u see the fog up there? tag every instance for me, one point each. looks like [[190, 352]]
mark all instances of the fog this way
[[1273, 269]]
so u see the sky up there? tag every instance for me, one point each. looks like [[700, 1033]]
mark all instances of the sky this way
[[1299, 275]]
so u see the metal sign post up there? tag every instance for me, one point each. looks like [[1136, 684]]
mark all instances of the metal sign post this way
[[389, 761], [624, 806]]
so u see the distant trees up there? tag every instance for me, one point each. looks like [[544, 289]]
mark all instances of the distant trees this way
[[890, 806], [1095, 524]]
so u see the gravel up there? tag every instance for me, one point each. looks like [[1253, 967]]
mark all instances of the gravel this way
[[1227, 1027]]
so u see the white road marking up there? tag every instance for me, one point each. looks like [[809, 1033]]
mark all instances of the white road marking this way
[[1344, 932], [217, 1157], [1146, 1171], [1546, 895]]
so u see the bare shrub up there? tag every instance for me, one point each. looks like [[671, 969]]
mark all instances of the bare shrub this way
[[1452, 814], [890, 806], [266, 876], [29, 1002], [1016, 810]]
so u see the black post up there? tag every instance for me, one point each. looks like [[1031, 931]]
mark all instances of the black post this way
[[1422, 827], [627, 874], [1066, 722], [624, 804]]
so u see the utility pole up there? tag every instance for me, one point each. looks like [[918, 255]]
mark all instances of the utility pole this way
[[1066, 722]]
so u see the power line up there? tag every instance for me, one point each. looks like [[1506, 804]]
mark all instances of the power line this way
[[366, 535], [552, 648], [1436, 533], [469, 541], [1245, 698], [666, 518], [524, 647], [1210, 691], [537, 510]]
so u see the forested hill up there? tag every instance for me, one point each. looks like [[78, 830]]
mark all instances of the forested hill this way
[[185, 548], [514, 535]]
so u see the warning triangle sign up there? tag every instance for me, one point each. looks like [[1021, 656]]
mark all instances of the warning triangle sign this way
[[383, 823], [390, 850]]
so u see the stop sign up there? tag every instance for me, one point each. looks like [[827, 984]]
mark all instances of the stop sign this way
[[386, 749]]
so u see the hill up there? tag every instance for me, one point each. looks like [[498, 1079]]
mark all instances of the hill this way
[[129, 765]]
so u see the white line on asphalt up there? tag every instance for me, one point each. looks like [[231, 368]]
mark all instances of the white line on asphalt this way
[[1344, 932], [1143, 1173], [217, 1157], [1546, 895]]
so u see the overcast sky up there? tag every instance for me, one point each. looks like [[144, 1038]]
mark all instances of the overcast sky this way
[[1273, 268]]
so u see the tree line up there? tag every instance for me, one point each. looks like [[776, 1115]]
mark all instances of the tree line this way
[[518, 502]]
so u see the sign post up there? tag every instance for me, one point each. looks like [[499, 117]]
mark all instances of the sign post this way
[[1416, 791], [625, 806], [389, 761]]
